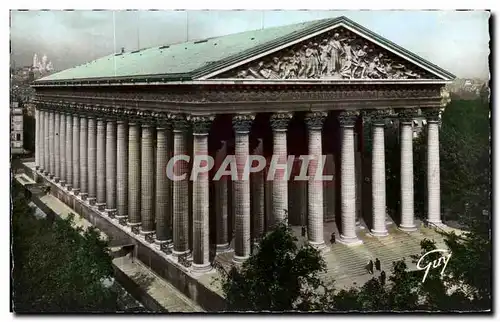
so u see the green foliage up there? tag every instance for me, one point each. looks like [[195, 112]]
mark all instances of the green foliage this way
[[280, 276], [57, 269]]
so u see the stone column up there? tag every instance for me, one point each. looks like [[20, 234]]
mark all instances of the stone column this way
[[180, 187], [221, 204], [201, 261], [257, 195], [110, 167], [83, 157], [62, 148], [41, 140], [279, 124], [347, 179], [378, 174], [52, 157], [101, 164], [242, 124], [134, 173], [406, 171], [314, 122], [46, 165], [147, 178], [433, 171], [57, 154], [37, 138], [92, 158], [69, 151], [163, 209], [76, 154], [122, 170]]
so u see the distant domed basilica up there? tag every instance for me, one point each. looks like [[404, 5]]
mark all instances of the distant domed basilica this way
[[44, 66]]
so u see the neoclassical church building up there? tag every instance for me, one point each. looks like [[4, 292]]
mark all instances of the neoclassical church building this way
[[105, 131]]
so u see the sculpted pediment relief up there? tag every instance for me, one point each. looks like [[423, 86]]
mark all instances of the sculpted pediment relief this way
[[336, 54]]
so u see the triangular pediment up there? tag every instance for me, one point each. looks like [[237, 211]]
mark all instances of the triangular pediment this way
[[345, 51]]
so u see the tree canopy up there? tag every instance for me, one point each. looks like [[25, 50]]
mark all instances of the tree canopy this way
[[57, 268], [281, 276]]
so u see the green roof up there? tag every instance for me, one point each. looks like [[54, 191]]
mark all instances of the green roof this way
[[192, 59], [178, 59]]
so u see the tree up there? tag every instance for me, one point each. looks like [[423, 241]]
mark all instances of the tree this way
[[280, 276], [57, 268]]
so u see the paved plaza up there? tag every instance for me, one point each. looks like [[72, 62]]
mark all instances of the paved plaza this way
[[347, 264]]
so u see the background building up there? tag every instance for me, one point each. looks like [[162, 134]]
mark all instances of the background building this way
[[16, 128]]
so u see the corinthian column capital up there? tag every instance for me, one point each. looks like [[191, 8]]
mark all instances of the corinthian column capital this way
[[348, 118], [201, 123], [315, 120], [243, 122], [280, 121], [377, 117], [407, 115], [432, 114], [162, 120], [179, 122]]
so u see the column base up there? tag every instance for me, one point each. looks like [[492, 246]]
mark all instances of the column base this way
[[350, 241], [438, 223], [161, 242], [69, 187], [118, 217], [148, 235], [122, 220], [177, 253], [110, 212], [239, 259], [379, 233], [317, 245], [76, 191], [166, 246], [37, 167], [56, 179], [84, 196], [408, 229], [100, 206], [91, 201], [45, 173], [222, 248], [62, 183], [201, 268], [134, 227], [51, 176]]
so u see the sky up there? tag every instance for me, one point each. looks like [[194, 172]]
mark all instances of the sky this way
[[457, 41]]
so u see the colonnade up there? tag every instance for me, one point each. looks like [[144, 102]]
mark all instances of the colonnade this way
[[116, 160]]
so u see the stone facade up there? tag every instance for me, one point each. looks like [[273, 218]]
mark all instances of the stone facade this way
[[111, 145]]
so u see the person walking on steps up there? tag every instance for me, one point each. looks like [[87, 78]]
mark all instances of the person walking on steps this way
[[332, 238], [377, 264]]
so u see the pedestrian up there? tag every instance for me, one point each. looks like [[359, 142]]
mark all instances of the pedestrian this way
[[377, 264], [382, 278], [303, 231], [370, 266], [332, 238]]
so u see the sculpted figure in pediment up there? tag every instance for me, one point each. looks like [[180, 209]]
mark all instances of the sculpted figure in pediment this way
[[338, 54]]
